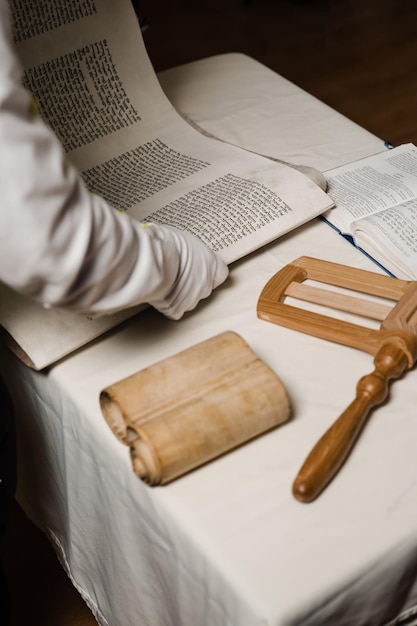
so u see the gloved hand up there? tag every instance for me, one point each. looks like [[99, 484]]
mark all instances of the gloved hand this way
[[192, 271]]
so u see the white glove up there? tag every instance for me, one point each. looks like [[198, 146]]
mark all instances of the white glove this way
[[192, 272]]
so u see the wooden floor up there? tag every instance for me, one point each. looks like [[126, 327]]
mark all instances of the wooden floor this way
[[358, 56]]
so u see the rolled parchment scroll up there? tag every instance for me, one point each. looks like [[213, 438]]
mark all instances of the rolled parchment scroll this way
[[194, 406]]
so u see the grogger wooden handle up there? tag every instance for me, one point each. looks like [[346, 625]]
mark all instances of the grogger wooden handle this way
[[330, 452]]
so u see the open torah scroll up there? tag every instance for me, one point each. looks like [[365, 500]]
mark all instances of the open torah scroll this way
[[194, 406], [89, 73]]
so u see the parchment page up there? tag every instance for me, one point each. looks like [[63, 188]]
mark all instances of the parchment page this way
[[40, 337], [95, 86]]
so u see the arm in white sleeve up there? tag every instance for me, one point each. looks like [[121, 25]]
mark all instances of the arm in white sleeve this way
[[68, 248]]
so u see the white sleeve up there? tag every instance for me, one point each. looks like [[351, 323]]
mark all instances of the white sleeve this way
[[67, 247]]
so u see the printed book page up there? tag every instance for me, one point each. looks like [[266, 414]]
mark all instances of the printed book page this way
[[375, 205], [390, 236], [94, 85]]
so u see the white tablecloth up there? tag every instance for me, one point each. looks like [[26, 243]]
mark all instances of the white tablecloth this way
[[228, 545]]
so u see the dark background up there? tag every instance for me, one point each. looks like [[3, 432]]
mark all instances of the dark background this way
[[358, 56]]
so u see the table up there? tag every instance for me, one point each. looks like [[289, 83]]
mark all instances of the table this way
[[228, 545]]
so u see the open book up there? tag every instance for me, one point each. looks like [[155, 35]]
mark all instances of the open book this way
[[87, 67], [376, 208]]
